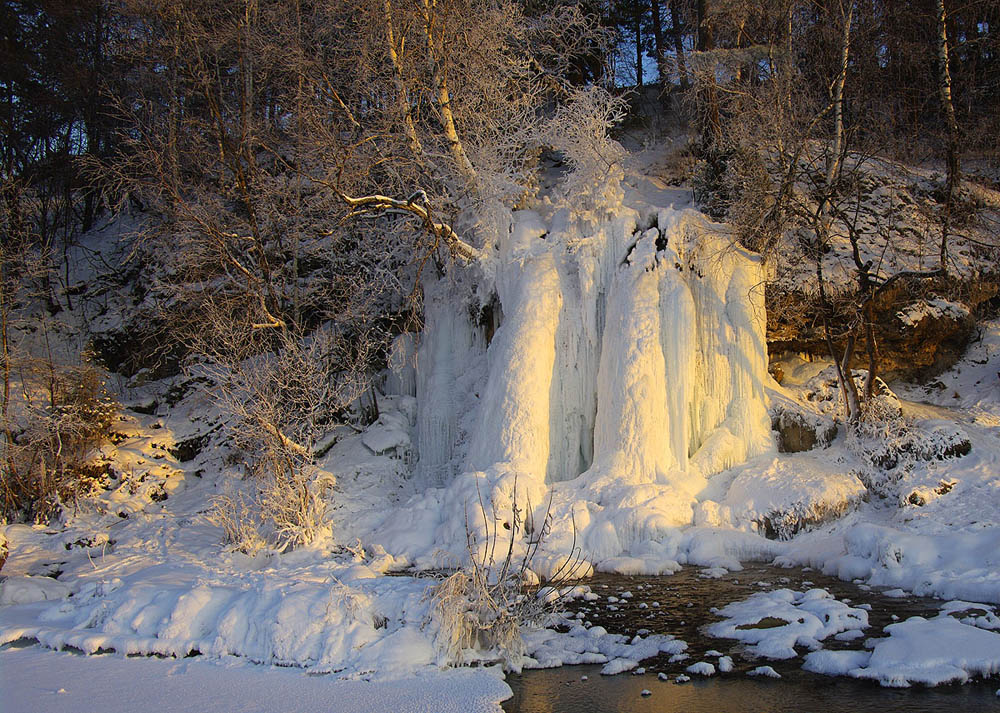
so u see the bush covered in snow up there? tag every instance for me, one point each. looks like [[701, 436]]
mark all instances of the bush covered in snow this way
[[54, 421], [889, 446], [485, 605], [281, 512], [278, 404]]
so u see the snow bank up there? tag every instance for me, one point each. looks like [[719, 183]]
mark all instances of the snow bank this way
[[940, 536], [774, 623], [36, 679], [924, 651], [947, 565], [337, 624]]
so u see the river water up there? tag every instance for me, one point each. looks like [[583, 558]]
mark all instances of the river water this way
[[685, 601]]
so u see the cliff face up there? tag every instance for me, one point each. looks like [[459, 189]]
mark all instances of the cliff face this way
[[918, 335]]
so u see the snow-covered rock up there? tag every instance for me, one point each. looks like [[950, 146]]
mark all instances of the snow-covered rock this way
[[792, 492], [702, 668], [774, 623], [24, 590], [923, 651]]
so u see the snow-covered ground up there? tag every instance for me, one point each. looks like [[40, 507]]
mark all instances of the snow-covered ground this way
[[620, 409], [35, 679], [944, 540]]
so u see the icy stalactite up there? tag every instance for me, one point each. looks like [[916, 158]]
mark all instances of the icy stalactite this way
[[683, 358], [514, 418], [632, 428], [678, 340], [401, 377], [447, 343], [586, 269], [729, 421]]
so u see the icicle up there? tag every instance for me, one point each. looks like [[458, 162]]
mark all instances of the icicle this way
[[402, 376], [514, 421]]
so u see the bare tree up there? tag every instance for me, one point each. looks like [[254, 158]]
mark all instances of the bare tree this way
[[283, 394], [944, 88]]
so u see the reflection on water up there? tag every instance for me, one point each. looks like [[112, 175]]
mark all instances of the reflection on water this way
[[562, 691], [682, 604]]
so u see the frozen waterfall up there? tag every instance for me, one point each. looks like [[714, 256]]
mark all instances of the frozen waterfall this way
[[628, 368], [638, 351]]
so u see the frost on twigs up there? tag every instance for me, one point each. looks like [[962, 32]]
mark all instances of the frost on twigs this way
[[891, 448], [53, 424], [282, 512], [878, 437], [579, 131], [279, 404], [242, 525], [484, 606]]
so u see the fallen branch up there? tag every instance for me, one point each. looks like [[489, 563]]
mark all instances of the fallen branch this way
[[414, 205]]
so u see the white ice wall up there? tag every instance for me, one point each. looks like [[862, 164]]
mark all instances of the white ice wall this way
[[625, 356]]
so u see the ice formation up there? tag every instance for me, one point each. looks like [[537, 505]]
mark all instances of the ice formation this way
[[627, 368]]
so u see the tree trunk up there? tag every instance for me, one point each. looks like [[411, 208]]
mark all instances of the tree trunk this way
[[174, 118], [869, 316], [638, 45], [711, 123], [944, 86], [678, 32], [834, 158], [402, 99], [5, 354], [658, 46], [742, 71], [247, 70], [440, 79]]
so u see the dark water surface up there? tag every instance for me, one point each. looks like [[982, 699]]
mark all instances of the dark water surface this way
[[562, 691], [686, 600]]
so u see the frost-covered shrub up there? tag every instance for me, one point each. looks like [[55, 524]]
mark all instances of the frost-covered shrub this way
[[483, 606], [278, 404], [241, 522], [57, 418], [890, 447], [473, 613], [283, 512], [579, 130], [878, 438], [710, 184]]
